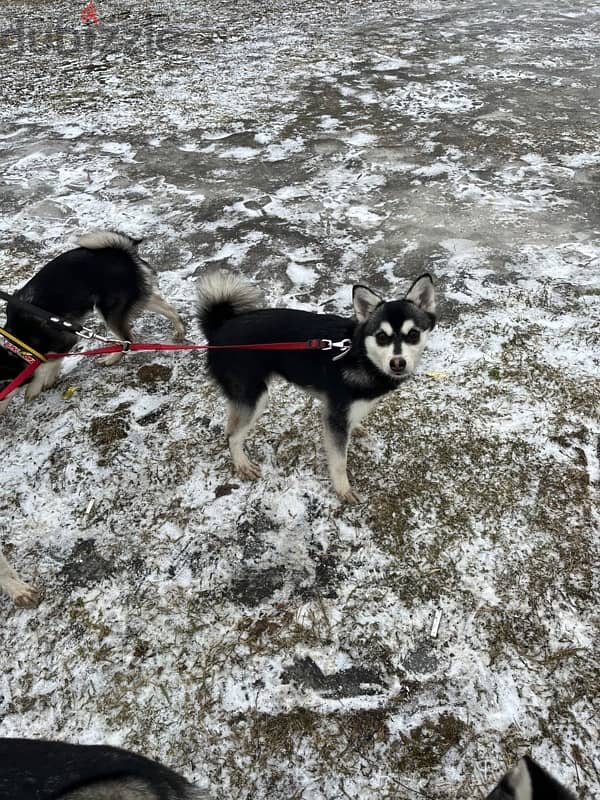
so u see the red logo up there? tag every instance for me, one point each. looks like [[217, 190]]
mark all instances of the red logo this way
[[90, 13]]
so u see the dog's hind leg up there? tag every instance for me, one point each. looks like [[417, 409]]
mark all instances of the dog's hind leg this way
[[21, 593], [156, 303], [242, 417], [44, 377], [336, 432]]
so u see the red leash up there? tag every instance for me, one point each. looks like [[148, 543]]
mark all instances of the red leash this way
[[132, 347]]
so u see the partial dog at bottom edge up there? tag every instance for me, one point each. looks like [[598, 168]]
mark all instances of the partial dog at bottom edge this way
[[105, 273], [32, 769]]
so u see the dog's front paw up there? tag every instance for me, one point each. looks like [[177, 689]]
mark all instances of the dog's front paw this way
[[4, 404], [111, 359], [23, 595], [247, 470], [33, 391], [349, 496]]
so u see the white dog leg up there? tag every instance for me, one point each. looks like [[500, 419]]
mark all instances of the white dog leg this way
[[22, 594], [44, 377]]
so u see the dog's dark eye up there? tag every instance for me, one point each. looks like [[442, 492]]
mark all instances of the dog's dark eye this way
[[382, 338], [413, 336]]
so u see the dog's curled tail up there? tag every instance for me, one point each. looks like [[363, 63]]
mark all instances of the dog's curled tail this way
[[98, 240], [223, 295]]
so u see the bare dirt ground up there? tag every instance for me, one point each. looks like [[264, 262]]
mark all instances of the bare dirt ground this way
[[261, 638]]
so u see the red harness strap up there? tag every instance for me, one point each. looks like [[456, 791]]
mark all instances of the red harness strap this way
[[21, 378], [31, 357]]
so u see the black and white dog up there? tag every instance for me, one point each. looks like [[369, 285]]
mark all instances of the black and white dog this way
[[387, 340], [39, 770], [105, 272], [22, 594], [528, 781]]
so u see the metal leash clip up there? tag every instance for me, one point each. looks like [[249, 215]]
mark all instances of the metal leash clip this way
[[344, 345], [88, 333]]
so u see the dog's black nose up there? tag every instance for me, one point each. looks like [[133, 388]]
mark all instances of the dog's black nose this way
[[398, 364]]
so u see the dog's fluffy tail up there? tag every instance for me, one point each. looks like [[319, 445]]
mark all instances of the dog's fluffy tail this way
[[98, 240], [223, 295]]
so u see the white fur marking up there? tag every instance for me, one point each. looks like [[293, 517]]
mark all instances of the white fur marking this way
[[222, 286], [159, 306], [337, 463], [380, 356], [97, 240], [520, 781], [359, 410], [240, 423], [44, 377]]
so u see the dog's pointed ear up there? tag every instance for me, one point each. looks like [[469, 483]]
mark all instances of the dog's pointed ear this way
[[365, 301], [422, 294]]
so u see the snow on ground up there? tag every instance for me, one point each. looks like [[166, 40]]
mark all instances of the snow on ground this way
[[260, 637]]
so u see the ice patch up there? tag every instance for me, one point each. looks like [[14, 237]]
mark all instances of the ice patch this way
[[301, 275], [361, 138], [437, 168], [262, 138], [578, 160], [391, 64], [534, 160], [122, 149], [364, 217], [426, 100], [281, 150], [69, 131], [459, 246], [329, 123], [233, 251], [292, 192], [240, 153]]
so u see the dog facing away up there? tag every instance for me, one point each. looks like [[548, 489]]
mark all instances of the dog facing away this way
[[387, 339], [528, 781], [22, 594], [41, 770], [105, 272]]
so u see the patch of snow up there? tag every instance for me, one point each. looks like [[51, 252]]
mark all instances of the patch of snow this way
[[301, 275]]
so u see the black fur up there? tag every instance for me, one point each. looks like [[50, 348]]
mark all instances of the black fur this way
[[43, 770], [10, 366], [541, 784]]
